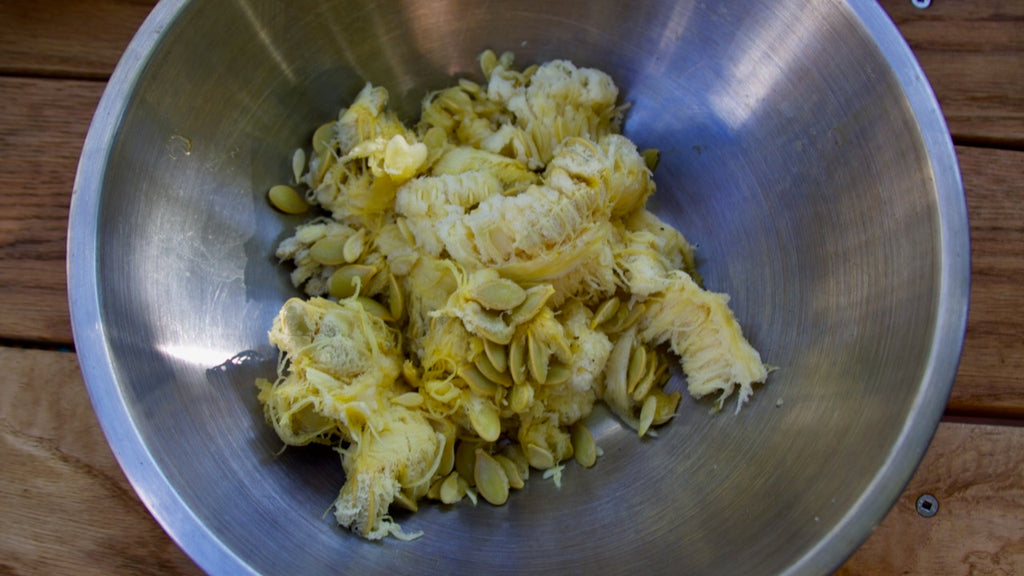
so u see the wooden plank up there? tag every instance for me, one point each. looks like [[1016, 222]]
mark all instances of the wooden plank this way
[[972, 52], [973, 55], [67, 507], [43, 123], [67, 38], [976, 473], [69, 510], [990, 381]]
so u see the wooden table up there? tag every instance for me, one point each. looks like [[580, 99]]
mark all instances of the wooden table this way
[[66, 508]]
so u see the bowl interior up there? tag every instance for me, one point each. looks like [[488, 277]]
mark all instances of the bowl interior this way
[[794, 154]]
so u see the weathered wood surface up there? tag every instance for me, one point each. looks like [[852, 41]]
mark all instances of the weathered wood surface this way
[[66, 508]]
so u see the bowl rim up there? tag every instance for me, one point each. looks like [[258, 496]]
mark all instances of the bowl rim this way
[[169, 509]]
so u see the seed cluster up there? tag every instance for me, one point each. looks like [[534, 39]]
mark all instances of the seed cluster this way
[[476, 284]]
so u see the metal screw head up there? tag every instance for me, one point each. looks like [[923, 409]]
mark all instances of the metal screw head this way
[[922, 4], [927, 505]]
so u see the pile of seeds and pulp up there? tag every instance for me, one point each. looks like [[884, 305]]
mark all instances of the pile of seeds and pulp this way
[[476, 284]]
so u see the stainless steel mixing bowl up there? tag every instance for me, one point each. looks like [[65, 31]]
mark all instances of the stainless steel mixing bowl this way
[[802, 150]]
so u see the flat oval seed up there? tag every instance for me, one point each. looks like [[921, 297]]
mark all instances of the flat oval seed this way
[[536, 298], [515, 481], [539, 458], [342, 283], [375, 308], [498, 294], [477, 382], [323, 137], [396, 301], [637, 363], [484, 366], [354, 246], [647, 412], [497, 354], [521, 397], [484, 417], [408, 399], [643, 388], [465, 458], [450, 492], [558, 373], [667, 404], [329, 250], [491, 481], [651, 157], [517, 360], [605, 311], [447, 456], [514, 452], [298, 163], [583, 447], [538, 356], [403, 500], [287, 200]]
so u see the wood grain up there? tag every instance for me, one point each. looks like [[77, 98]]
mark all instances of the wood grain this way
[[973, 56], [43, 123], [976, 473], [990, 381], [42, 128], [67, 38], [67, 508]]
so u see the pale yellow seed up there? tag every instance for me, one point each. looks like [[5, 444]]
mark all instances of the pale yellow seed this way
[[647, 412], [408, 399], [538, 357], [477, 382], [667, 404], [498, 294], [490, 478], [298, 163], [403, 500], [539, 458], [447, 456], [644, 386], [396, 301], [515, 481], [343, 282], [465, 458], [484, 417], [488, 62], [651, 157], [521, 398], [287, 200], [558, 374], [434, 492], [410, 373], [375, 308], [329, 250], [450, 492], [354, 246], [584, 449], [484, 366], [323, 137], [497, 355], [536, 298], [514, 452], [637, 364], [517, 360], [605, 311]]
